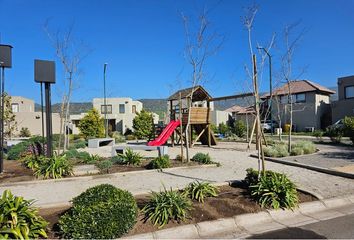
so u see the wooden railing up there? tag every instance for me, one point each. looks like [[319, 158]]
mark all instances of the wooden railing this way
[[199, 115]]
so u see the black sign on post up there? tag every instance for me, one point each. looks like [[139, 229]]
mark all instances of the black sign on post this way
[[44, 72], [5, 62]]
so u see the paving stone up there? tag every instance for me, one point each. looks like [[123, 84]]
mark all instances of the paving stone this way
[[223, 225], [183, 232], [291, 218]]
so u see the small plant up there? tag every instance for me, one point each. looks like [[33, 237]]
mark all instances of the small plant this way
[[306, 146], [278, 150], [105, 165], [25, 132], [101, 212], [160, 162], [90, 159], [19, 220], [118, 160], [335, 134], [80, 144], [274, 190], [240, 128], [33, 162], [349, 127], [165, 206], [318, 134], [17, 150], [119, 138], [202, 158], [251, 177], [130, 157], [55, 167], [296, 151], [200, 190]]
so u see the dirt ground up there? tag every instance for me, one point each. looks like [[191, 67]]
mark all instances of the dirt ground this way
[[231, 201], [14, 171]]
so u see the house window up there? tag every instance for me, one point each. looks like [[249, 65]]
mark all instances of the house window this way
[[349, 92], [121, 108], [134, 109], [300, 98], [106, 109], [15, 107]]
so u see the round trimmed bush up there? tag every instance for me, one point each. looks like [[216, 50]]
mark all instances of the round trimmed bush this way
[[159, 163], [101, 212], [202, 158]]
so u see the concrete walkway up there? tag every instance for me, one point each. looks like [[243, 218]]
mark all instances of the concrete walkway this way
[[234, 163]]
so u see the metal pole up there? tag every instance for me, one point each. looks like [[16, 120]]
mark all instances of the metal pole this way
[[48, 119], [105, 100], [42, 110], [2, 120]]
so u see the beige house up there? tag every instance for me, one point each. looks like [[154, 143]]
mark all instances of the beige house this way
[[311, 106], [120, 113], [245, 114], [26, 117], [345, 104]]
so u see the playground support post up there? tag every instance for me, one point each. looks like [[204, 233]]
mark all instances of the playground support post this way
[[181, 125]]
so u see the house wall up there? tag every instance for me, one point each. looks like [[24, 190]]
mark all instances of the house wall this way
[[218, 117], [307, 114], [343, 107], [25, 104], [33, 121]]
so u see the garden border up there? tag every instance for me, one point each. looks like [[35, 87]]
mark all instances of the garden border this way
[[307, 166], [90, 177], [245, 225]]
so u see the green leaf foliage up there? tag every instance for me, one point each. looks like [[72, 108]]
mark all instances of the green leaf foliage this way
[[56, 167], [143, 125], [105, 165], [239, 128], [200, 190], [273, 190], [19, 220], [202, 158], [349, 127], [92, 125], [165, 206], [130, 157], [160, 162], [101, 212]]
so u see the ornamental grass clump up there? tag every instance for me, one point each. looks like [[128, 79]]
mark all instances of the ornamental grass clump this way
[[57, 166], [307, 147], [165, 206], [19, 219], [101, 212], [200, 190], [272, 189]]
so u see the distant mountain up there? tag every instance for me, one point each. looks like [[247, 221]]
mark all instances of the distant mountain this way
[[159, 106]]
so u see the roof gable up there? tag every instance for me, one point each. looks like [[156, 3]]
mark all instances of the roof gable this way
[[199, 94]]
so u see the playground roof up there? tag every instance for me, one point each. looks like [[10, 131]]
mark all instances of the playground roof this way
[[199, 94]]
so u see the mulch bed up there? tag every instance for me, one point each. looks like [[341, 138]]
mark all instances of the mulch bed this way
[[14, 171], [231, 201]]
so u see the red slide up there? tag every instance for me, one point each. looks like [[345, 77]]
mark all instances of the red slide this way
[[166, 133]]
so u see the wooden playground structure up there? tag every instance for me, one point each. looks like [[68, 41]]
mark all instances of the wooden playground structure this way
[[199, 115]]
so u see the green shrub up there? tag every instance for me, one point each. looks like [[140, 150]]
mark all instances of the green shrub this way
[[130, 137], [274, 190], [17, 150], [130, 157], [118, 160], [33, 162], [80, 144], [119, 138], [306, 146], [251, 177], [89, 159], [165, 206], [223, 129], [349, 127], [160, 162], [202, 158], [105, 165], [19, 220], [335, 134], [91, 125], [101, 212], [318, 134], [72, 153], [56, 167], [143, 125], [240, 128], [270, 151], [200, 190]]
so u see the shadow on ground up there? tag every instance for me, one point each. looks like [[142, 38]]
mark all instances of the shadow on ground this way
[[289, 233]]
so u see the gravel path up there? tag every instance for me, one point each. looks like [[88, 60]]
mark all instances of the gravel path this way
[[234, 163]]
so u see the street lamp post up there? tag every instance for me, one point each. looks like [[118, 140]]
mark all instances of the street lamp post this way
[[5, 62], [270, 87], [105, 100]]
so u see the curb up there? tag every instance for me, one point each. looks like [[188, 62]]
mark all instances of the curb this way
[[91, 177], [241, 226], [310, 167]]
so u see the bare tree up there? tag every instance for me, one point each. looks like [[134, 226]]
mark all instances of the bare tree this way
[[291, 44], [201, 44], [70, 53]]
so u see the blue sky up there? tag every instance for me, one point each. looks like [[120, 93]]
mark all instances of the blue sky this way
[[143, 41]]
